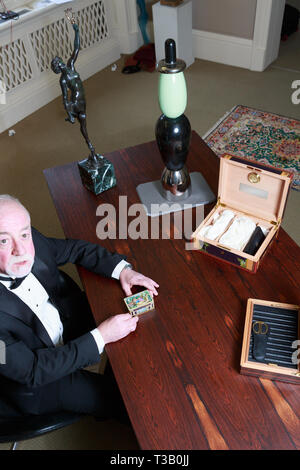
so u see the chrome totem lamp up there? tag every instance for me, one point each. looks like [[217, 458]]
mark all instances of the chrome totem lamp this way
[[173, 129], [176, 188]]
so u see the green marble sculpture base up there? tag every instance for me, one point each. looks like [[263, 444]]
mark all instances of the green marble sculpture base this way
[[97, 174]]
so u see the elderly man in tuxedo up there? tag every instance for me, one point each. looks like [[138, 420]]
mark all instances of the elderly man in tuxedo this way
[[46, 325]]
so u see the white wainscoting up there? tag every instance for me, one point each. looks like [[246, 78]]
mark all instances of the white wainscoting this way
[[254, 54], [222, 48]]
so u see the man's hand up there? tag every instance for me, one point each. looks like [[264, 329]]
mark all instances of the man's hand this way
[[130, 278], [117, 327]]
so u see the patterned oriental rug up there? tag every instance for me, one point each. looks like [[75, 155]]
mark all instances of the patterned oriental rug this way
[[258, 135]]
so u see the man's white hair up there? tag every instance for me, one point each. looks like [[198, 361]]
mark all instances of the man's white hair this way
[[8, 197]]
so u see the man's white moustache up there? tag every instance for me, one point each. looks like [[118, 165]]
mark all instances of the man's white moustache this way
[[20, 259]]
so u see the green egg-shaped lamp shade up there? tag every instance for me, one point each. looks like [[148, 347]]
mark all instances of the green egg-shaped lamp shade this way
[[172, 94]]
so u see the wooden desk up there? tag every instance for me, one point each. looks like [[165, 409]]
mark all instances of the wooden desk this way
[[179, 372]]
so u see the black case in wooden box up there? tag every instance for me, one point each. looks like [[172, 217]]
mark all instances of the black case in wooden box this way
[[250, 189], [281, 349]]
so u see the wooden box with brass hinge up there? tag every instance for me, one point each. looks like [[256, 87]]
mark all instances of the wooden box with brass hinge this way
[[271, 341], [252, 196]]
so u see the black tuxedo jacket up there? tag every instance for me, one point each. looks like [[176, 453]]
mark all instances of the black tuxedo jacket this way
[[31, 359]]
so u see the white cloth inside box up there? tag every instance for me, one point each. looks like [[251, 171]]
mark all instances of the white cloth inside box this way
[[219, 223], [234, 230], [238, 233]]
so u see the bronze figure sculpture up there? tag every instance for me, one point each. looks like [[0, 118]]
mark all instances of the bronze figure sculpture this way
[[96, 172], [70, 80]]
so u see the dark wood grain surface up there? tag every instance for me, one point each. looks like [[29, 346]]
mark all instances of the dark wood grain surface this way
[[179, 372]]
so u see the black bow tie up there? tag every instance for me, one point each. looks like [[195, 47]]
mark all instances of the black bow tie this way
[[15, 282]]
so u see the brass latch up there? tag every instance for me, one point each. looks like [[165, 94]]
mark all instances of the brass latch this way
[[253, 177]]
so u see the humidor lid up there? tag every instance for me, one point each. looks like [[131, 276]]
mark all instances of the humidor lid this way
[[253, 188]]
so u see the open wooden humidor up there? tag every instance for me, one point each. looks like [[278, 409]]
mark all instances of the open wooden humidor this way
[[247, 189]]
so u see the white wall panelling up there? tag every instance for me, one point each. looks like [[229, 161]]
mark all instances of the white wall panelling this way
[[254, 54]]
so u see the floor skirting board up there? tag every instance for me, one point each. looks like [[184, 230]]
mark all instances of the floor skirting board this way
[[223, 49]]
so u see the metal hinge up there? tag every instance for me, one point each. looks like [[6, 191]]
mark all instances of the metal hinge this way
[[276, 223], [219, 203]]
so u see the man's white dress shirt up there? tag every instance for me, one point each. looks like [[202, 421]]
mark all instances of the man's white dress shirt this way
[[33, 294]]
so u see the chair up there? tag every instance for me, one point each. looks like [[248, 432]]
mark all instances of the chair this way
[[27, 427]]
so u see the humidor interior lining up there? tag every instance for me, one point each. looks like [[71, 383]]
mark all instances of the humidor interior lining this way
[[233, 174], [283, 324]]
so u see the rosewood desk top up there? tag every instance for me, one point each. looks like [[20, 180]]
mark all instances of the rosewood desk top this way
[[179, 371]]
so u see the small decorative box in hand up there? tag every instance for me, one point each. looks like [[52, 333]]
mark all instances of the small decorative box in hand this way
[[139, 303]]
